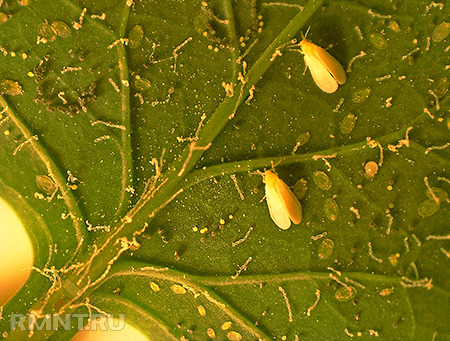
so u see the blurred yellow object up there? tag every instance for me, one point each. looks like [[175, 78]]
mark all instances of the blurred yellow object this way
[[16, 253], [127, 333]]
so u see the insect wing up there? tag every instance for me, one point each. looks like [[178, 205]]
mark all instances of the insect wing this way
[[331, 64], [277, 208], [322, 77], [290, 202]]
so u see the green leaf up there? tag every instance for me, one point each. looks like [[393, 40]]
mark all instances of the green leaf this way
[[151, 120]]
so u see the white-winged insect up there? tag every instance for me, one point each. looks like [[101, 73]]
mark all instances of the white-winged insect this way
[[283, 205], [326, 71]]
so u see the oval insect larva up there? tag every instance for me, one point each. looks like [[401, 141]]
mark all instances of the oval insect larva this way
[[45, 184], [226, 325], [331, 209], [201, 22], [322, 180], [178, 289], [47, 32], [201, 310], [345, 293], [393, 25], [428, 208], [387, 291], [61, 29], [303, 138], [378, 41], [234, 336], [348, 123], [211, 333], [3, 18], [300, 188], [442, 87], [438, 193], [154, 286], [135, 36], [141, 84], [441, 31], [361, 95], [326, 249]]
